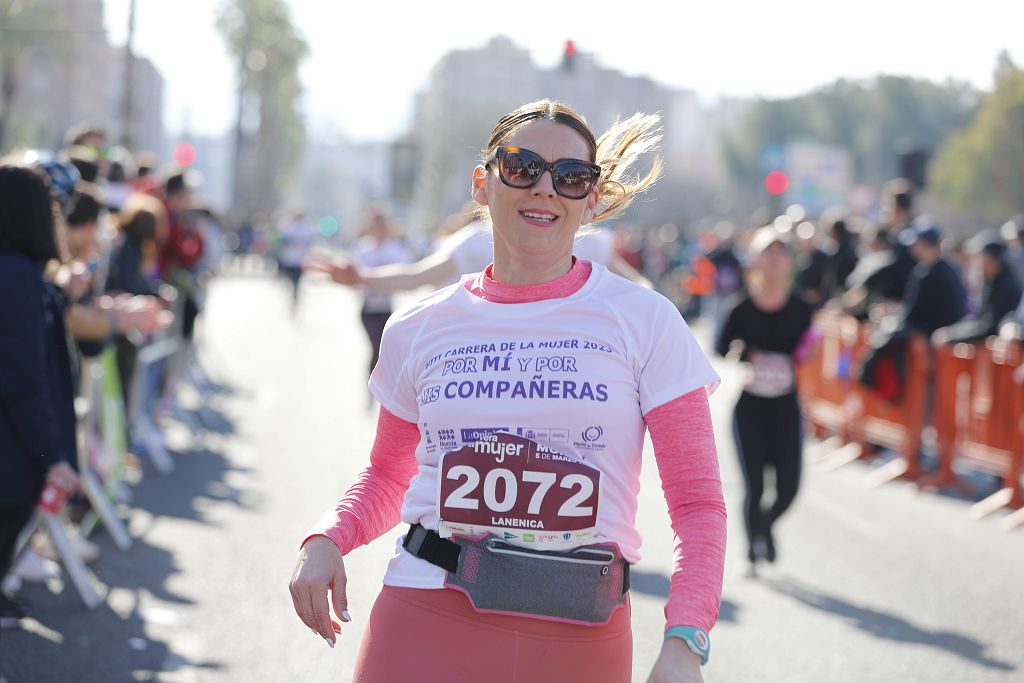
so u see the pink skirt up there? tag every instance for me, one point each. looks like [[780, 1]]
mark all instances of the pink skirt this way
[[435, 635]]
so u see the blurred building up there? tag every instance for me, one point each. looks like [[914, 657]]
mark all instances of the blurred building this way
[[467, 92], [64, 71], [213, 164], [147, 89], [470, 89], [337, 178]]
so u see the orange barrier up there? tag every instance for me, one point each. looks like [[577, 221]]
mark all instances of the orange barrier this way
[[825, 378], [978, 410], [896, 425], [834, 402], [978, 418]]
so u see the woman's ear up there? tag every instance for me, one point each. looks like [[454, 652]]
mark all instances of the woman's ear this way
[[478, 189], [591, 208]]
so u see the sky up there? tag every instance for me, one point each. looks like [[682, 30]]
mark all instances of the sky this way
[[368, 59]]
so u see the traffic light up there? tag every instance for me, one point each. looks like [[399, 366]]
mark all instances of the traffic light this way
[[776, 182], [913, 165], [184, 154], [569, 56]]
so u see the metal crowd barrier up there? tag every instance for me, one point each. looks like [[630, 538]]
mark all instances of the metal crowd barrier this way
[[977, 410]]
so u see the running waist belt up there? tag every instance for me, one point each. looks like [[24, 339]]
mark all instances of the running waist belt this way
[[583, 585]]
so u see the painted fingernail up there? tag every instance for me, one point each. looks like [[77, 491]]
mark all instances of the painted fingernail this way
[[330, 642], [346, 616]]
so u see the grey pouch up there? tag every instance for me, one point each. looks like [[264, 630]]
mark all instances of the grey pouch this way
[[583, 585]]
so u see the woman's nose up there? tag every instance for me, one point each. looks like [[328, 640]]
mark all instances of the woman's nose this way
[[546, 184]]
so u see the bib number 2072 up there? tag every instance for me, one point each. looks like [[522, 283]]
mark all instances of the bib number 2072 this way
[[511, 481]]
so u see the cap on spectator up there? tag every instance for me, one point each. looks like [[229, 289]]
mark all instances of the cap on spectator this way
[[989, 242], [86, 160], [1013, 228], [178, 179], [87, 205], [923, 228], [84, 133], [764, 238], [63, 178]]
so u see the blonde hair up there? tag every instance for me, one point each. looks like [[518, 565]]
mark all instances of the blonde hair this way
[[615, 152]]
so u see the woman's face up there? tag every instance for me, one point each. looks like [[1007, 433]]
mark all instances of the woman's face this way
[[775, 260], [535, 221]]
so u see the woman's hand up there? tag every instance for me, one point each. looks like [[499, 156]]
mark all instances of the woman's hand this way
[[143, 313], [64, 476], [320, 568], [341, 272], [677, 663]]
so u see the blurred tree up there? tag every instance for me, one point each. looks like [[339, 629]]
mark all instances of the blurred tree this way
[[981, 169], [269, 128], [873, 120]]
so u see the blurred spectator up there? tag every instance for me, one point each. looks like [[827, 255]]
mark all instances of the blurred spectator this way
[[934, 296], [146, 163], [87, 134], [37, 416], [133, 263], [379, 246], [121, 173], [728, 270], [182, 248], [1013, 232], [840, 257], [810, 264], [211, 226], [1001, 293], [296, 237], [884, 275], [700, 283], [86, 160], [83, 221]]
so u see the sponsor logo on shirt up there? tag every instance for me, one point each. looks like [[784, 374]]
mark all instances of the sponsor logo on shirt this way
[[472, 434], [591, 439]]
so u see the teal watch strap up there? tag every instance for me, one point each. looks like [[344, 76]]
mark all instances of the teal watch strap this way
[[697, 639]]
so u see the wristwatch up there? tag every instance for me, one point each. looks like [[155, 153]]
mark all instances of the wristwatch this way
[[697, 639]]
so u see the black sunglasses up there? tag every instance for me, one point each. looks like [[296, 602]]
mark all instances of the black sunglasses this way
[[520, 168]]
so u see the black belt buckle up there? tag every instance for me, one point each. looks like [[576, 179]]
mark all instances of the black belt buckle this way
[[414, 539], [427, 545]]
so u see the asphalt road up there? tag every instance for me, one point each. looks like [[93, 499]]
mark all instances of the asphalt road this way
[[872, 584]]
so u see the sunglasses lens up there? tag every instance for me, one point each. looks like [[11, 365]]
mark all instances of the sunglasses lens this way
[[519, 169], [574, 180]]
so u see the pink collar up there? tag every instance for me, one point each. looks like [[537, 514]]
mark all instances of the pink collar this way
[[489, 289]]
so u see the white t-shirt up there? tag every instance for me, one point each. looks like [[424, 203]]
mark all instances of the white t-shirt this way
[[370, 254], [472, 247], [575, 375]]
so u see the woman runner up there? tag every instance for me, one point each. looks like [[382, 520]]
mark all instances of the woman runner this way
[[769, 325], [513, 410]]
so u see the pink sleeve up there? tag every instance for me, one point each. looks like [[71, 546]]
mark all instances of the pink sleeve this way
[[684, 448], [373, 504]]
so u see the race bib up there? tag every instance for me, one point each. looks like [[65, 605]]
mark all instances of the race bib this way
[[519, 490], [769, 374]]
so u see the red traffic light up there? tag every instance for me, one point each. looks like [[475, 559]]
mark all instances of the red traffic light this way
[[184, 154], [776, 182], [570, 48]]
